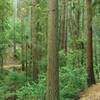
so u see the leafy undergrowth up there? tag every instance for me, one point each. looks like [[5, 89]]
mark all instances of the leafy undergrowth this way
[[13, 84], [92, 93]]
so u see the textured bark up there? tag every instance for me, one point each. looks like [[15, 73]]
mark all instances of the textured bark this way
[[76, 33], [82, 45], [53, 68], [91, 78], [63, 21], [34, 42]]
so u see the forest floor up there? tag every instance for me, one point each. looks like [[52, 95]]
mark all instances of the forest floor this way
[[92, 93], [10, 66]]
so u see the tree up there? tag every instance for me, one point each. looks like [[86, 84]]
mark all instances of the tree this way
[[53, 69], [22, 13], [76, 18], [64, 26], [14, 25], [91, 77], [22, 44], [34, 41]]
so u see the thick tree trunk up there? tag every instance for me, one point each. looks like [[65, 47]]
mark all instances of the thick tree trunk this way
[[91, 78], [53, 68]]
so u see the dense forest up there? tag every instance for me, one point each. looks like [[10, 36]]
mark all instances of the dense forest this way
[[49, 49]]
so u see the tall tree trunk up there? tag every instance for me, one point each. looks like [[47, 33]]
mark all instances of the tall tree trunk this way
[[82, 33], [76, 33], [30, 18], [91, 78], [53, 68], [1, 57], [26, 58], [22, 45], [14, 27], [64, 25], [34, 41]]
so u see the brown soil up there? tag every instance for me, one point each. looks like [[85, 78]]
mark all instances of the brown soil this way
[[92, 93]]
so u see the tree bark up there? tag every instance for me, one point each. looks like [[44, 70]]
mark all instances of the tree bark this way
[[14, 26], [91, 77], [22, 45], [63, 21], [34, 42], [53, 68]]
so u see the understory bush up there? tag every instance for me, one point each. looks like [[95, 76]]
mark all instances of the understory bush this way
[[72, 77]]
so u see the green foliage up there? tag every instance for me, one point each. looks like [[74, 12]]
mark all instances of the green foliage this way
[[5, 9], [15, 78], [32, 90], [14, 83], [3, 42], [10, 83], [73, 78]]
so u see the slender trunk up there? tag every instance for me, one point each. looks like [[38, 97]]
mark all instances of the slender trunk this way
[[2, 58], [34, 42], [26, 60], [82, 35], [14, 27], [30, 17], [22, 45], [63, 25], [66, 27], [76, 33]]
